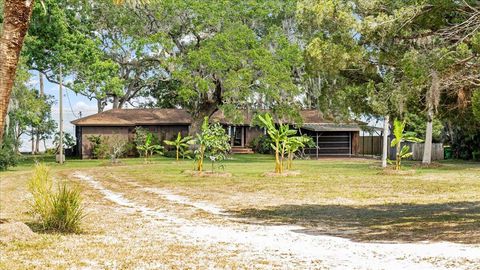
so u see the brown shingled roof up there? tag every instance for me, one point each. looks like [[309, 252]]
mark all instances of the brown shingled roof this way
[[138, 117]]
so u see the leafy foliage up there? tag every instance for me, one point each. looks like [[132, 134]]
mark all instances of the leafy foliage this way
[[295, 143], [465, 142], [181, 145], [400, 136], [8, 153], [68, 141], [262, 144], [30, 112], [100, 149], [280, 137], [213, 142], [149, 147]]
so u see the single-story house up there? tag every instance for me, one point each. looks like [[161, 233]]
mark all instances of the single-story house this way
[[331, 138]]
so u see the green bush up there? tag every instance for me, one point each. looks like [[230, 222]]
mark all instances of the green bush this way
[[170, 154], [100, 147], [262, 145], [8, 155], [58, 211]]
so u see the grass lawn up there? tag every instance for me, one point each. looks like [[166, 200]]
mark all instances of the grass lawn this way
[[351, 198]]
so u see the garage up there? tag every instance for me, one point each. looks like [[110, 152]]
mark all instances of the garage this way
[[332, 139]]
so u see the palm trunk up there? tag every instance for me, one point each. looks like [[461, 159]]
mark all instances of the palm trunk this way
[[290, 161], [277, 159], [200, 161], [42, 92], [385, 141], [427, 150], [33, 141], [432, 97], [16, 16], [398, 160]]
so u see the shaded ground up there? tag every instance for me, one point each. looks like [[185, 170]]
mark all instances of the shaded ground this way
[[455, 222]]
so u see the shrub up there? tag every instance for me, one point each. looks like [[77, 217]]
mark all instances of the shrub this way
[[8, 158], [139, 138], [100, 147], [60, 210], [212, 142], [8, 155], [117, 147], [262, 145], [170, 154]]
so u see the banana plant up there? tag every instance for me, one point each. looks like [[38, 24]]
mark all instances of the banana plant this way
[[400, 136], [181, 145], [201, 141], [279, 138], [149, 148], [295, 143]]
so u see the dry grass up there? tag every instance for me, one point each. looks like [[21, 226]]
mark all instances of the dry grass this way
[[347, 198]]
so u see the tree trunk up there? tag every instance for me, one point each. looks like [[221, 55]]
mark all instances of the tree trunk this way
[[100, 105], [197, 121], [116, 102], [432, 99], [33, 141], [15, 25], [41, 93], [427, 150], [385, 141]]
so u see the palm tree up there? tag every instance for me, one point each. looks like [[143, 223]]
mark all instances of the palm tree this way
[[16, 14]]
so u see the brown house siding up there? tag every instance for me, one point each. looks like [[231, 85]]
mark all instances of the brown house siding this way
[[163, 132], [251, 134], [86, 149], [331, 138], [167, 132]]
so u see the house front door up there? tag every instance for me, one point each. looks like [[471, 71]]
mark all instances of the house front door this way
[[237, 138]]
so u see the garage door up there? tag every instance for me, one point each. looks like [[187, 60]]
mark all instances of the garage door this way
[[334, 143]]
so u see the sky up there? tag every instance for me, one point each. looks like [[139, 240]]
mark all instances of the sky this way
[[73, 106]]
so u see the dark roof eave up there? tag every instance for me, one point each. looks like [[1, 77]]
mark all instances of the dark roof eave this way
[[103, 125]]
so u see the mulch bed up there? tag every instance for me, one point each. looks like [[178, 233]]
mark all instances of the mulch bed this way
[[11, 231], [390, 171], [208, 174], [284, 174]]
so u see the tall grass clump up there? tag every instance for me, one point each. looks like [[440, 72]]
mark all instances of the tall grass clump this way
[[66, 213], [59, 210]]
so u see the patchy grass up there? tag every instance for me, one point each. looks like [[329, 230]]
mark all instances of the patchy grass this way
[[350, 198], [342, 197]]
